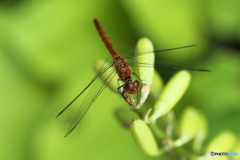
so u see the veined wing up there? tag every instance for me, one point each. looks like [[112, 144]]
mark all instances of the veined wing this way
[[102, 71], [163, 64], [159, 63], [132, 53], [97, 87]]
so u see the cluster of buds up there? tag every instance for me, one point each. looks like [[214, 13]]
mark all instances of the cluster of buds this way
[[154, 129]]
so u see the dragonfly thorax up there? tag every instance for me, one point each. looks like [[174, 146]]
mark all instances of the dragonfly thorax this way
[[131, 87]]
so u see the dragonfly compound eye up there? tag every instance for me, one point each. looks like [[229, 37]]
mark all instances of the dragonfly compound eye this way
[[132, 87], [128, 86], [136, 84]]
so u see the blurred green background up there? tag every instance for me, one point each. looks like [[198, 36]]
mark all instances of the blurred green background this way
[[47, 49]]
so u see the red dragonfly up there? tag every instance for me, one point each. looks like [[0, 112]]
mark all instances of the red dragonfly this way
[[120, 66]]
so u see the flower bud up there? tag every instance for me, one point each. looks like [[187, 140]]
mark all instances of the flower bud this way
[[145, 69], [171, 94], [144, 137], [188, 126], [157, 85], [223, 142]]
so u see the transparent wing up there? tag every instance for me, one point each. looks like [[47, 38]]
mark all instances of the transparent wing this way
[[132, 53], [163, 64], [100, 73], [98, 85]]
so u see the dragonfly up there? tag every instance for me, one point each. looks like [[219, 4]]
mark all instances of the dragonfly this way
[[119, 66]]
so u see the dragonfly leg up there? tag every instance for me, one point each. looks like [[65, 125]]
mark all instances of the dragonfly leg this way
[[126, 96], [138, 93], [137, 77], [120, 89]]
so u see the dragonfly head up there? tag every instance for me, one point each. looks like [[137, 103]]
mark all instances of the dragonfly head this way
[[131, 87]]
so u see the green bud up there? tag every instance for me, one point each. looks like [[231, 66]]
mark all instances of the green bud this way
[[201, 132], [171, 94], [188, 125], [237, 148], [144, 137], [145, 49], [156, 86], [124, 116], [226, 141], [202, 127]]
